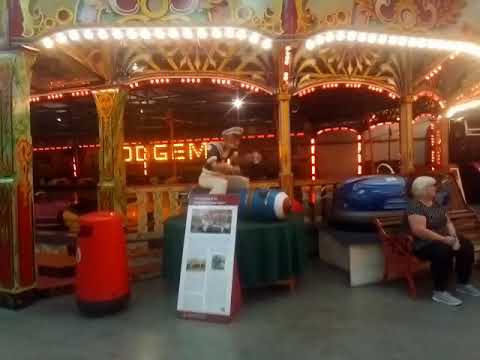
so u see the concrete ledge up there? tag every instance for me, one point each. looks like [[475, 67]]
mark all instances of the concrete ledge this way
[[362, 260]]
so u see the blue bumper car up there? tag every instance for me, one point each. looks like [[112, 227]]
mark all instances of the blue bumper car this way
[[359, 200]]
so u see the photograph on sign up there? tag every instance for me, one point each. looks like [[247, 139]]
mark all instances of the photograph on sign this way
[[211, 221]]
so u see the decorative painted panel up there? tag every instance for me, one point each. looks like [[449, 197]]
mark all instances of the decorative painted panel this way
[[39, 16], [415, 16]]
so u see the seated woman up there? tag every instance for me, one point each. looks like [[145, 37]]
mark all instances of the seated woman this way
[[435, 240]]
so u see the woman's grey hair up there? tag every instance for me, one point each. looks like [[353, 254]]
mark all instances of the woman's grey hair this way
[[420, 184]]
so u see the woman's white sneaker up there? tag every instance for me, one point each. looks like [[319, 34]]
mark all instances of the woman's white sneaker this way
[[446, 298], [468, 289]]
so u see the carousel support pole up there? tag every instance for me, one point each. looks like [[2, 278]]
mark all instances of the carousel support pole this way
[[17, 255], [284, 143], [444, 142], [406, 117], [110, 105], [284, 66]]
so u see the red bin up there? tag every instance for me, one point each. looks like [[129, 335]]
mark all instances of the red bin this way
[[102, 283]]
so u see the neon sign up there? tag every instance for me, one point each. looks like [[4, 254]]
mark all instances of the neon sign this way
[[180, 151]]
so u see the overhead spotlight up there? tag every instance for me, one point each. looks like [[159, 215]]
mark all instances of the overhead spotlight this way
[[237, 103], [135, 67], [59, 119]]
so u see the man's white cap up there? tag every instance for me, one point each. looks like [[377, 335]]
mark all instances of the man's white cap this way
[[233, 131]]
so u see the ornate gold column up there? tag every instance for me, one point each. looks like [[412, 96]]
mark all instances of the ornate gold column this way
[[284, 143], [112, 182], [406, 136], [406, 114], [17, 259]]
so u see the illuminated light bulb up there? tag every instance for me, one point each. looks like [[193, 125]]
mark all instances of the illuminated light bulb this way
[[241, 34], [237, 103], [329, 37], [228, 82], [198, 81], [132, 34], [340, 35], [412, 42], [157, 81], [102, 34], [48, 43], [159, 33], [320, 40], [352, 35], [372, 38], [183, 80], [217, 33], [117, 34], [88, 34], [173, 33], [61, 38], [145, 34], [382, 39], [229, 33], [167, 80], [362, 37], [392, 40], [73, 35], [254, 38], [202, 33], [267, 44], [422, 43], [187, 33], [310, 44], [402, 41]]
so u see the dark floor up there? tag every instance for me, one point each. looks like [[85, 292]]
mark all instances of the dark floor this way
[[324, 319]]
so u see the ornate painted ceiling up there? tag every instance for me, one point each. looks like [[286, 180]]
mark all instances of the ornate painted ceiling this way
[[451, 17], [287, 21]]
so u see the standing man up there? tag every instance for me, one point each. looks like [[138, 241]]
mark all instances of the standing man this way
[[220, 172]]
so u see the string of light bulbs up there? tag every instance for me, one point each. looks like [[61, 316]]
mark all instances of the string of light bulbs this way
[[156, 34]]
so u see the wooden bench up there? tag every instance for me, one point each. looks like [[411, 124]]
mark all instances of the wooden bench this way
[[399, 260]]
